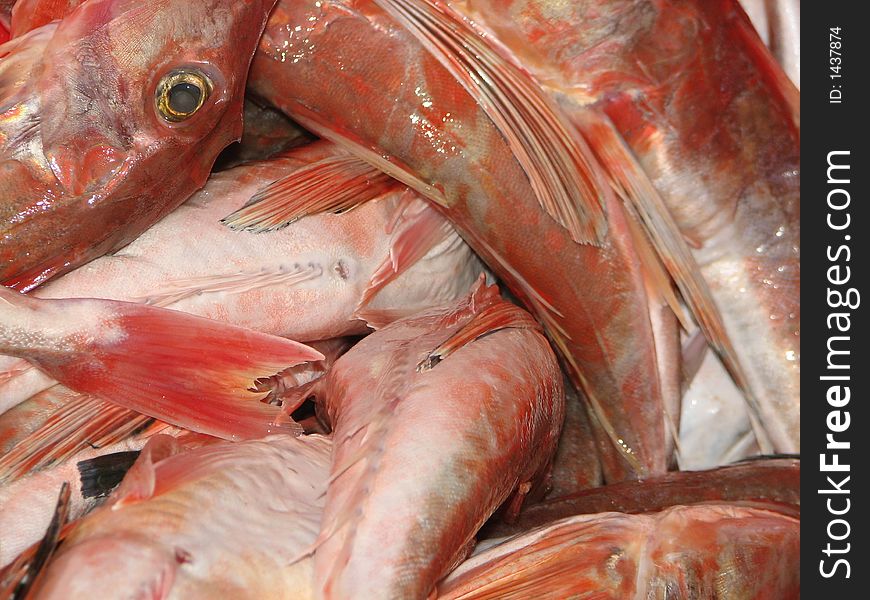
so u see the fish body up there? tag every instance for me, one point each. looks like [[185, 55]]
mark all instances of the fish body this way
[[305, 281], [687, 552], [424, 456], [226, 520], [101, 137], [350, 73], [714, 122]]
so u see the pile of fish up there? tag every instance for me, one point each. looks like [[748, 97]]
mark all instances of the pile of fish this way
[[399, 299]]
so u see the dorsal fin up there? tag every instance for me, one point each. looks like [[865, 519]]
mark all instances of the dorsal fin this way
[[498, 316], [555, 159]]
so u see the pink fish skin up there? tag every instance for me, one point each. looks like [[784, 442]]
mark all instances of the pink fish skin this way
[[423, 457], [715, 124], [316, 61], [226, 520], [304, 281], [27, 505], [687, 552], [82, 174]]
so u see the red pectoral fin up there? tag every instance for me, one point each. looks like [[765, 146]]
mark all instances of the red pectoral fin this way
[[557, 163], [334, 184]]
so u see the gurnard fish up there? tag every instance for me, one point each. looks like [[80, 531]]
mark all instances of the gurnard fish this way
[[189, 371], [685, 552], [226, 520], [390, 257], [528, 197], [110, 119], [684, 96], [438, 420]]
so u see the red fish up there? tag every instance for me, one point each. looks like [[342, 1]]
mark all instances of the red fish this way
[[186, 370], [391, 257], [686, 107], [111, 119], [226, 520], [438, 419], [687, 552], [540, 214]]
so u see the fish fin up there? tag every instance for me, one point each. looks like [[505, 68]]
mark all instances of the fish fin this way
[[187, 370], [231, 283], [82, 422], [559, 166], [420, 229], [17, 579], [140, 480], [643, 200], [334, 184], [658, 283], [502, 315], [293, 398], [390, 165], [102, 474]]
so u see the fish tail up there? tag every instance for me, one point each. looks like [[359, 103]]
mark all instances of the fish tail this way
[[189, 371]]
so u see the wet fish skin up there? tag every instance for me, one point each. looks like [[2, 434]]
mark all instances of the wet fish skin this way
[[423, 458], [184, 536], [419, 124], [715, 124], [690, 552], [86, 162], [303, 282]]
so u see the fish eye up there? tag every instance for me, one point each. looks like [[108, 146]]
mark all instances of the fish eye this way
[[181, 93]]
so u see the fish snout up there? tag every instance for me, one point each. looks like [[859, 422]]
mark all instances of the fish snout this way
[[86, 163]]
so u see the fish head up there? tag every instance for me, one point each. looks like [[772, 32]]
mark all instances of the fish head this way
[[111, 118], [145, 91]]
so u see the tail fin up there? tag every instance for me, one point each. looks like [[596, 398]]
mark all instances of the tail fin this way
[[189, 371]]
